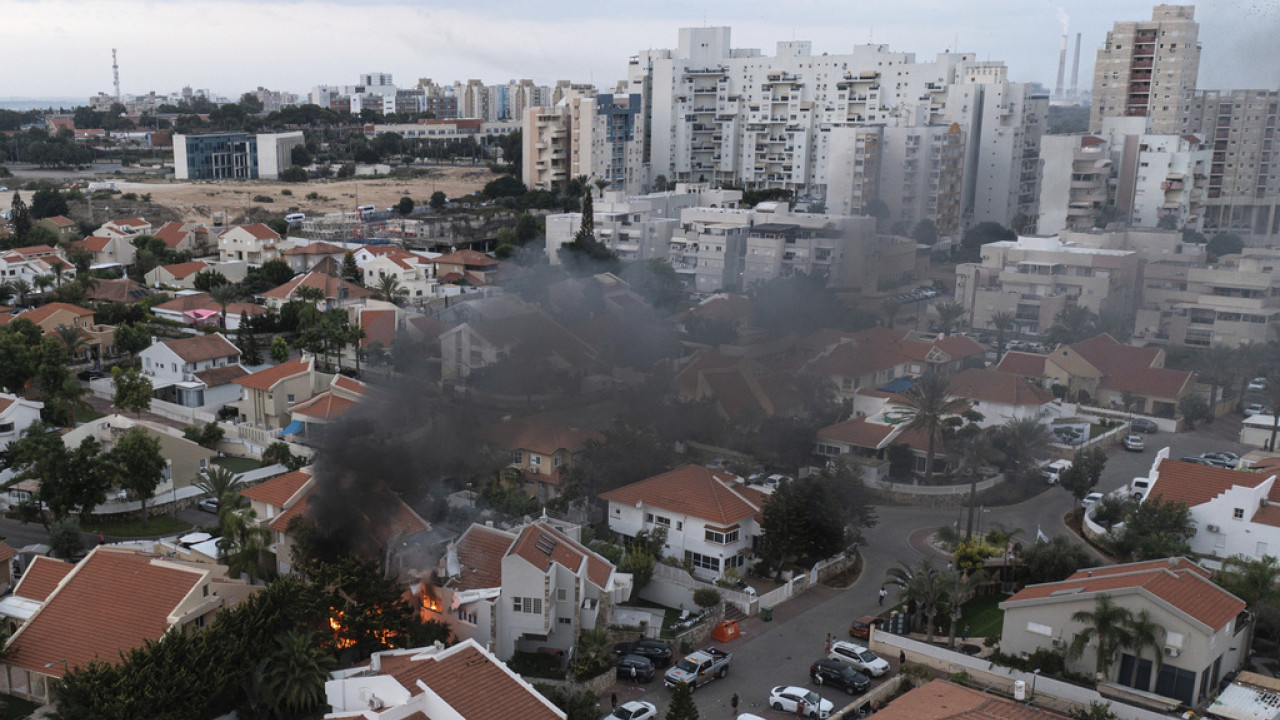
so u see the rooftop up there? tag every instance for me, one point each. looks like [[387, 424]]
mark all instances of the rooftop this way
[[695, 491]]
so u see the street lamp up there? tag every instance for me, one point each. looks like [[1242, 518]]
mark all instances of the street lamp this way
[[1034, 674]]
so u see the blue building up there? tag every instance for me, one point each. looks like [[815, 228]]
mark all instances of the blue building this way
[[215, 156]]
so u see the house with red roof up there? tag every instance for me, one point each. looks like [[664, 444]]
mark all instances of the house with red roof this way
[[1002, 397], [65, 228], [1235, 512], [124, 228], [49, 317], [268, 396], [506, 328], [415, 271], [185, 237], [534, 588], [1202, 631], [541, 450], [711, 516], [473, 266], [112, 601], [29, 263], [178, 276], [33, 588], [461, 681], [335, 292], [1103, 372], [16, 415], [311, 415], [873, 357], [194, 371], [303, 257], [192, 308], [254, 244], [120, 290]]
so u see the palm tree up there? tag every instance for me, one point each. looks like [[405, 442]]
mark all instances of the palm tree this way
[[224, 295], [1217, 366], [949, 314], [21, 288], [1145, 633], [219, 483], [308, 294], [1023, 439], [71, 337], [355, 338], [922, 585], [390, 290], [42, 282], [1107, 626], [1073, 323], [890, 308], [929, 403], [977, 453], [1248, 579], [293, 676], [958, 588], [243, 545], [1003, 322], [59, 272]]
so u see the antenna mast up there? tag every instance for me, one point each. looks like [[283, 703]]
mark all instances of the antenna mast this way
[[115, 73]]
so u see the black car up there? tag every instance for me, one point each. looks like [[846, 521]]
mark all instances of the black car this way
[[656, 650], [87, 375], [1145, 426], [643, 666], [838, 674]]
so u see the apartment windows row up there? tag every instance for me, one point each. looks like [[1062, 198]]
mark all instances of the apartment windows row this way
[[662, 521], [527, 605]]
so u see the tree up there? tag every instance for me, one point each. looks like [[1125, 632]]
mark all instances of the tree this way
[[405, 206], [224, 295], [981, 234], [133, 390], [19, 217], [925, 232], [140, 465], [206, 436], [1145, 634], [219, 483], [350, 270], [682, 707], [73, 340], [1106, 628], [890, 308], [949, 316], [390, 290], [48, 202], [276, 273], [278, 453], [1095, 711], [300, 155], [1254, 581], [928, 405], [1193, 409], [1072, 324], [958, 588], [505, 186], [1086, 469], [279, 350], [1155, 529], [247, 342], [244, 544], [977, 452], [294, 674], [438, 200], [920, 584], [66, 540], [1003, 321], [1055, 560], [1224, 244], [132, 338], [208, 279], [72, 480]]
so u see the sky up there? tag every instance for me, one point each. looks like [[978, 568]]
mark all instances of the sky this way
[[62, 48]]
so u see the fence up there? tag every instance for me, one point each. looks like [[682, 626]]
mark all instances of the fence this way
[[932, 490], [1044, 691], [1165, 424]]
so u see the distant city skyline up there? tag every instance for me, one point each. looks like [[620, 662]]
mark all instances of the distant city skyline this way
[[230, 46]]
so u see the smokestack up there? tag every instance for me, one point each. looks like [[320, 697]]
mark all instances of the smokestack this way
[[1075, 71], [1062, 67]]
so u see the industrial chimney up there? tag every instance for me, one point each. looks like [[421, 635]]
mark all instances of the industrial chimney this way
[[1062, 68], [1075, 71]]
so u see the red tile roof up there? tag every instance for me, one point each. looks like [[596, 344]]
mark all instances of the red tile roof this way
[[1178, 564], [215, 377], [695, 491], [40, 579], [480, 552], [324, 406], [37, 250], [540, 435], [5, 402], [541, 545], [1125, 367], [329, 285], [471, 682], [1195, 484], [7, 552], [994, 386], [266, 379], [278, 490], [379, 327], [468, 258], [857, 432], [1186, 589], [298, 508], [130, 222], [203, 347], [260, 231], [171, 234], [114, 601], [122, 290], [184, 270], [93, 243], [61, 221], [1025, 364], [315, 248], [942, 700]]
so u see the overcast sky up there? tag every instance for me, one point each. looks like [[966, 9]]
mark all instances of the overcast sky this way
[[62, 48]]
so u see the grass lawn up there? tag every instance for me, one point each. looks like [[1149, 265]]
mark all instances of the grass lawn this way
[[670, 616], [237, 464], [16, 708], [84, 415], [156, 525], [982, 616]]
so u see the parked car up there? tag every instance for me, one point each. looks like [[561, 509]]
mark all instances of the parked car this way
[[1255, 409], [1258, 383], [837, 674], [787, 698], [1091, 498], [1133, 443], [634, 710], [656, 650], [861, 627], [859, 657], [643, 667], [209, 505], [1219, 460], [1053, 471], [1222, 456], [1139, 487], [1144, 425], [88, 375], [699, 668]]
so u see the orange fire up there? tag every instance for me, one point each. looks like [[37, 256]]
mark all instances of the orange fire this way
[[341, 639]]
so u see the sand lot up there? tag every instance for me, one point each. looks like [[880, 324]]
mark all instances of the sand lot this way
[[196, 201]]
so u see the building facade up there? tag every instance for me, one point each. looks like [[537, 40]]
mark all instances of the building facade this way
[[1145, 68]]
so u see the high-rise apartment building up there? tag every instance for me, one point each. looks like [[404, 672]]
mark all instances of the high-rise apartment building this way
[[1145, 68]]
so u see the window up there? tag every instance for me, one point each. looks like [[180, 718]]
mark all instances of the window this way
[[516, 457], [535, 460], [565, 620], [722, 538], [1238, 513], [705, 562], [664, 521], [290, 397], [562, 594], [6, 427], [528, 605], [555, 461], [648, 517]]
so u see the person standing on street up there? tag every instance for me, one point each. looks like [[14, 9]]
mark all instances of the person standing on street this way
[[883, 592], [613, 700], [902, 658], [733, 703]]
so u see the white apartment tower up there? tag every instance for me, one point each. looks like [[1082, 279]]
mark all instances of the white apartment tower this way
[[1145, 69]]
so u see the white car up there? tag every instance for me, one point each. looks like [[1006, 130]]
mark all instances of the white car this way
[[1053, 471], [859, 657], [634, 710], [1091, 498], [1258, 383], [787, 697], [1255, 409]]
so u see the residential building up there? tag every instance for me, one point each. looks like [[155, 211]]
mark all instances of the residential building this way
[[1002, 397], [533, 588], [1203, 631], [193, 308], [124, 228], [922, 174], [1074, 189], [268, 395], [872, 435], [215, 156], [65, 228], [414, 271], [945, 700], [28, 263], [16, 415], [1034, 278], [185, 237], [98, 339], [873, 357], [1145, 68], [184, 459], [308, 417], [470, 265], [1233, 302], [712, 519], [275, 152], [504, 328], [1104, 373], [121, 290], [254, 244], [1166, 181], [1243, 193], [462, 681], [335, 292], [303, 258], [546, 147], [541, 451], [195, 371], [33, 589], [178, 275], [108, 250], [274, 498], [858, 147], [113, 601]]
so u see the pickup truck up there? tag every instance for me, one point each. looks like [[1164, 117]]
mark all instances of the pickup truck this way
[[698, 668]]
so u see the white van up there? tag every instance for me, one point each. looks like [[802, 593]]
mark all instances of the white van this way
[[365, 209], [295, 218], [1053, 471]]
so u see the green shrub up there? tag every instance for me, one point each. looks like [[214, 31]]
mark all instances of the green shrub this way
[[263, 199]]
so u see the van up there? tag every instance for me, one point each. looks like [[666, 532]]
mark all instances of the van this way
[[365, 209], [1138, 487], [1053, 471], [295, 218]]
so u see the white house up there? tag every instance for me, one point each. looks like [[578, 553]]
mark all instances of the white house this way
[[194, 371], [711, 517], [254, 244], [1235, 512], [1001, 397], [534, 588], [415, 271], [16, 415]]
